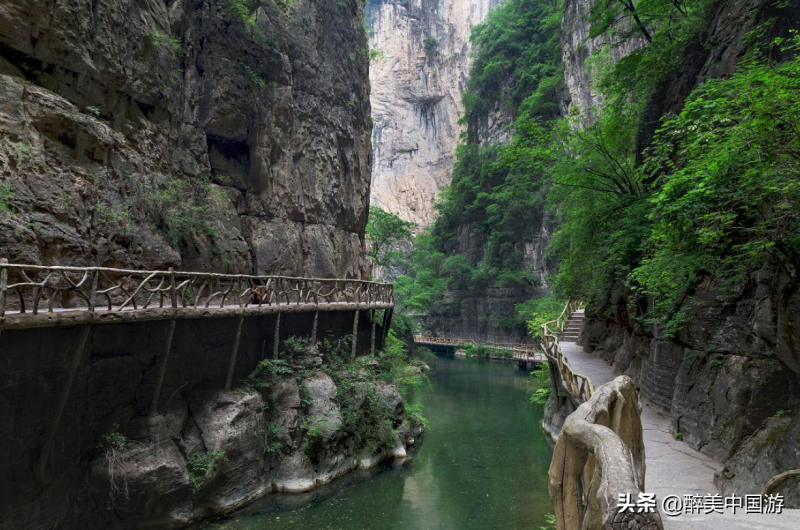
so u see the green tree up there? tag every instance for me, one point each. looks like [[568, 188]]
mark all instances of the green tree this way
[[728, 194], [386, 232]]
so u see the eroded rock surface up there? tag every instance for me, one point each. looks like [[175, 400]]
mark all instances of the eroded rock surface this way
[[187, 134], [253, 445], [419, 70], [724, 382]]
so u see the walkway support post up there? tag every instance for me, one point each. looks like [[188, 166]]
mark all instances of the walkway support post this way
[[3, 289], [355, 336], [77, 357], [372, 337], [387, 323], [3, 286], [276, 336], [234, 353], [162, 367], [162, 362], [314, 329]]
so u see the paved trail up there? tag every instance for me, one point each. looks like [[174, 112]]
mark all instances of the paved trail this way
[[674, 468]]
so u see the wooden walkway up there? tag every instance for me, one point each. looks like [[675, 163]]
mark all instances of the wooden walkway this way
[[33, 296], [674, 468], [520, 352]]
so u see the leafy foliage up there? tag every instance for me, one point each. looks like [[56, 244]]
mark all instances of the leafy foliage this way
[[266, 373], [497, 190], [386, 232], [200, 465], [485, 351], [538, 311], [424, 283], [183, 209], [517, 60], [6, 198], [541, 393], [715, 195], [365, 413], [116, 440], [727, 198], [159, 39]]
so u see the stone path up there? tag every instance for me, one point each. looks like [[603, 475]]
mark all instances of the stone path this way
[[674, 468]]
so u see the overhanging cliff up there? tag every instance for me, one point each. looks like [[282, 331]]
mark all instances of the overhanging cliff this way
[[203, 134]]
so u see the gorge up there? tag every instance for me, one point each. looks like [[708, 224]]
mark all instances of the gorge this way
[[223, 223]]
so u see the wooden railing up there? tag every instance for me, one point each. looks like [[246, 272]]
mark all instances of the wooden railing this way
[[599, 455], [528, 351], [600, 458], [65, 295], [578, 385]]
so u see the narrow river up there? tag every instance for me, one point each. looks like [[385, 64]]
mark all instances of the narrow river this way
[[482, 465]]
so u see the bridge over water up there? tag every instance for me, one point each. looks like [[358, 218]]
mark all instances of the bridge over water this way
[[76, 343], [526, 355]]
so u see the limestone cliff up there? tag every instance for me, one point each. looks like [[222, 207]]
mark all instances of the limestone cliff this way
[[418, 72], [118, 462], [729, 378], [577, 46], [203, 134]]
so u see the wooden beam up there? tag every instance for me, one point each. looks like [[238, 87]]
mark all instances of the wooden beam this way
[[102, 316], [235, 353], [355, 336], [162, 367], [314, 329], [77, 357], [276, 336], [372, 336]]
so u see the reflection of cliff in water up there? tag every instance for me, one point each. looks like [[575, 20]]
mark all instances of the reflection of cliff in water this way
[[483, 464]]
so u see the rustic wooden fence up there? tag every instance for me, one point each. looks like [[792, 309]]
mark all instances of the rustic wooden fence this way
[[578, 386], [79, 295], [520, 351], [599, 456]]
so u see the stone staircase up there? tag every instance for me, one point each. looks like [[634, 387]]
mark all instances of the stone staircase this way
[[573, 326]]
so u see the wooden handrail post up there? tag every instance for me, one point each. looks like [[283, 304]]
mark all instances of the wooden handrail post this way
[[93, 292], [173, 295], [3, 285]]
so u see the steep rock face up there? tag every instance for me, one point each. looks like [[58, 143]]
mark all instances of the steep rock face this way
[[576, 48], [250, 447], [723, 380], [418, 73], [729, 379], [489, 314], [185, 133], [113, 390]]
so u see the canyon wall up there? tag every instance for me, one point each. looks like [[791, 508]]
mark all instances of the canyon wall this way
[[419, 69], [206, 135], [286, 426], [730, 379], [199, 134]]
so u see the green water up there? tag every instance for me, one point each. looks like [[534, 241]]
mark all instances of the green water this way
[[482, 465]]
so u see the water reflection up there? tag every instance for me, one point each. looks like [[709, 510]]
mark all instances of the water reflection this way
[[483, 465]]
